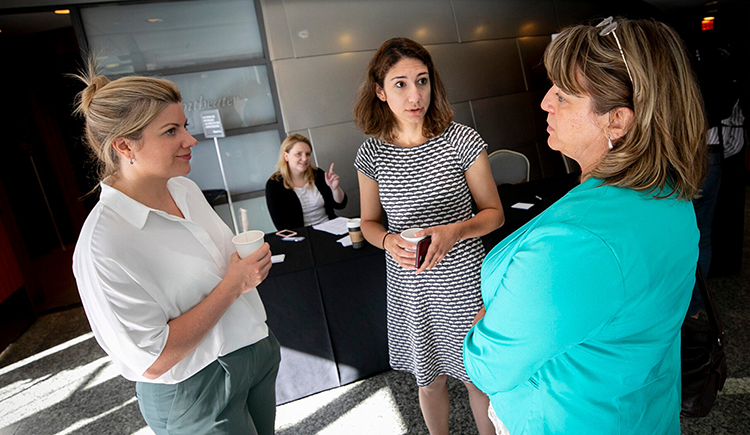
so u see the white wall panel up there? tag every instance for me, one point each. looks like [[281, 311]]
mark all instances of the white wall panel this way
[[493, 19], [337, 26], [504, 122], [479, 69], [277, 29], [319, 90], [532, 56], [338, 144], [462, 113]]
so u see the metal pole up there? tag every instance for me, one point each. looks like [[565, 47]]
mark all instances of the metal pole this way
[[226, 186]]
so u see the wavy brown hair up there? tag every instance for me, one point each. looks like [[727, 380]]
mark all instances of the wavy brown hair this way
[[282, 167], [374, 117], [664, 147], [120, 108]]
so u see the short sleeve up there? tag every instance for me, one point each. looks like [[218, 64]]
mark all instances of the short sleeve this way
[[469, 144], [136, 326], [365, 160], [561, 287]]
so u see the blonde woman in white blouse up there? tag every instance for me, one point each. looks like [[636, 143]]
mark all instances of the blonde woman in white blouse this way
[[167, 297]]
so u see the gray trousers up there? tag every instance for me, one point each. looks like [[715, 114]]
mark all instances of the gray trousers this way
[[236, 394]]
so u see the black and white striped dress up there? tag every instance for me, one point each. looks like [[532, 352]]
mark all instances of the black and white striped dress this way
[[428, 314]]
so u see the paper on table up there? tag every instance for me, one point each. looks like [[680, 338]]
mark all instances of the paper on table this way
[[345, 241], [522, 205], [334, 226]]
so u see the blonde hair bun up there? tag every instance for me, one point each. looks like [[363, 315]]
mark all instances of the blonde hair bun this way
[[123, 109], [94, 84]]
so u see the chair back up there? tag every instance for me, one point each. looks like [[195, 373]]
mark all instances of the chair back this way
[[509, 167]]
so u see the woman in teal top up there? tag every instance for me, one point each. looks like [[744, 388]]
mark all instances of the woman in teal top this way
[[584, 304]]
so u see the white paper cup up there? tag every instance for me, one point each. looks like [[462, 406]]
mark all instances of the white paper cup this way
[[248, 242], [409, 236]]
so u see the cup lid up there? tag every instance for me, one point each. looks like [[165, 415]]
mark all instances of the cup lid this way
[[353, 223]]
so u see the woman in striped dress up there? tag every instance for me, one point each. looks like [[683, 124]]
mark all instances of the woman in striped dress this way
[[423, 170]]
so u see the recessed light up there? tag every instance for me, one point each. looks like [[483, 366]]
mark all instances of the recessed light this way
[[709, 18], [62, 11], [154, 20]]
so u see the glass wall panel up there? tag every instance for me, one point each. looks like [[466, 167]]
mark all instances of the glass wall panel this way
[[242, 95], [248, 159], [129, 38]]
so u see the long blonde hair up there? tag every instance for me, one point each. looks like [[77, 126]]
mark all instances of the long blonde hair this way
[[120, 108], [664, 148], [282, 167]]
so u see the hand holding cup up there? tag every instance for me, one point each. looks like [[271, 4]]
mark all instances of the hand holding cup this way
[[249, 266], [244, 274]]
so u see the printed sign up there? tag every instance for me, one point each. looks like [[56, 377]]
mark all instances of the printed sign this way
[[212, 126]]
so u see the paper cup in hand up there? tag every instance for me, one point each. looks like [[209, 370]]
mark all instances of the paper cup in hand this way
[[409, 236], [248, 242]]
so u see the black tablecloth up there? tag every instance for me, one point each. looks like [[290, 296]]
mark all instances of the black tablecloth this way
[[540, 193], [326, 304]]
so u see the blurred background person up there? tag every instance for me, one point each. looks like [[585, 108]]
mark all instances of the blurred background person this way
[[299, 194], [723, 86]]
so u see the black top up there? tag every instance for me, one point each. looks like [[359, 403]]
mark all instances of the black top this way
[[285, 208]]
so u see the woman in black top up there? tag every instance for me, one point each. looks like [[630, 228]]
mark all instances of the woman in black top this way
[[299, 194]]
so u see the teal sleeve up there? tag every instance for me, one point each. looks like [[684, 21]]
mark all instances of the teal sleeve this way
[[562, 285]]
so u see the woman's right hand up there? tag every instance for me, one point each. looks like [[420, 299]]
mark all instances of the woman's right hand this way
[[402, 251], [244, 274]]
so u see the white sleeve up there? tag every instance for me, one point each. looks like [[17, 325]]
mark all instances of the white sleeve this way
[[129, 324]]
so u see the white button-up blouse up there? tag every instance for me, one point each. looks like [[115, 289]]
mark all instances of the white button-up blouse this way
[[137, 268]]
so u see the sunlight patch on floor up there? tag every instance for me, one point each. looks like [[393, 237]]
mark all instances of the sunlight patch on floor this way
[[375, 415], [48, 352], [292, 413], [33, 395], [83, 422]]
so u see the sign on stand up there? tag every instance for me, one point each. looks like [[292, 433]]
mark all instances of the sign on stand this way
[[213, 128]]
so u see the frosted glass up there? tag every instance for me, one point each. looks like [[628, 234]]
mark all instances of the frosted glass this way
[[249, 160], [129, 38], [242, 95]]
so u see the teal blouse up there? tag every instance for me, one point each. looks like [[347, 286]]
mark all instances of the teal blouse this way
[[584, 307]]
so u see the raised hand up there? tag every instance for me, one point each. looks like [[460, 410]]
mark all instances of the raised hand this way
[[332, 180]]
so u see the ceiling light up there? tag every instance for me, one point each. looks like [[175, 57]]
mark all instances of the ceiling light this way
[[709, 18], [62, 11], [154, 20]]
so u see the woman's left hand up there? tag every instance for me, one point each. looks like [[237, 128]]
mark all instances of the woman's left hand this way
[[332, 180], [443, 239]]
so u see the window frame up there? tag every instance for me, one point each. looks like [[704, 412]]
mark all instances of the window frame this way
[[75, 13]]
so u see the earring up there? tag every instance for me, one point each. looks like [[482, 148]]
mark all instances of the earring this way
[[131, 160], [609, 144]]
